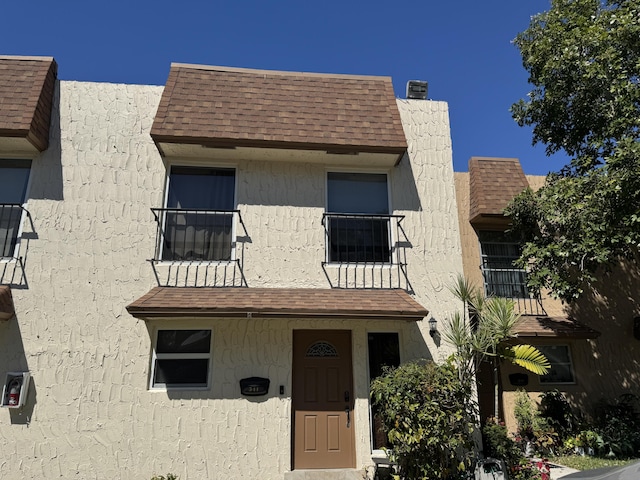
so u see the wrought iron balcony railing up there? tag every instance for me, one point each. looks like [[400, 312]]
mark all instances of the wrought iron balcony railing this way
[[195, 235], [360, 243], [509, 282], [10, 220]]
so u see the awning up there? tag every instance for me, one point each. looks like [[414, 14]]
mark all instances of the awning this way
[[7, 309], [559, 327], [27, 87], [176, 302]]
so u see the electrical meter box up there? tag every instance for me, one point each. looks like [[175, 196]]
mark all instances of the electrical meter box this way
[[14, 392]]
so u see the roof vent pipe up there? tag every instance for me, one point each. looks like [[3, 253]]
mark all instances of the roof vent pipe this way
[[417, 89]]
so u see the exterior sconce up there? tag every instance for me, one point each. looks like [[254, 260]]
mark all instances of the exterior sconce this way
[[433, 326]]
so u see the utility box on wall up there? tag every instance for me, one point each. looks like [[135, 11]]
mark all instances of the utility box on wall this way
[[14, 392]]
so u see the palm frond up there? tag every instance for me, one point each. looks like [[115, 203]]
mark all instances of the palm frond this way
[[528, 357]]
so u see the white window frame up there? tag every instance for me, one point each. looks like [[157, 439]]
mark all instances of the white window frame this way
[[235, 221], [23, 215], [179, 356], [569, 364], [393, 251]]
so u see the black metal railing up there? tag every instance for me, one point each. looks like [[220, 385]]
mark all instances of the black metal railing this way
[[360, 243], [10, 220], [505, 281], [195, 235]]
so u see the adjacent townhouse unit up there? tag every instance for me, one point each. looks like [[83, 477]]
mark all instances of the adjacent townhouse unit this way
[[592, 344], [203, 278]]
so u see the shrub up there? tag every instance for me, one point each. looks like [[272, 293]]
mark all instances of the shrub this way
[[619, 425], [498, 444], [429, 416]]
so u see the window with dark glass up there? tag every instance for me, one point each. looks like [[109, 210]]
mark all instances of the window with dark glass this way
[[14, 177], [384, 351], [181, 358], [501, 277], [358, 218], [561, 370], [199, 218]]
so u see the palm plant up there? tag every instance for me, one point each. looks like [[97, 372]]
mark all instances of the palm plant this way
[[481, 332]]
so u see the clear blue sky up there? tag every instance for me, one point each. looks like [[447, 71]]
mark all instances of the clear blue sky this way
[[462, 48]]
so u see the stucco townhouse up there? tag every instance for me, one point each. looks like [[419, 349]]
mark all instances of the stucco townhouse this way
[[592, 344], [202, 277]]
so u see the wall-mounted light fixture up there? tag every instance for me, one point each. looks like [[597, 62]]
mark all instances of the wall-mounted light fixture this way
[[433, 326]]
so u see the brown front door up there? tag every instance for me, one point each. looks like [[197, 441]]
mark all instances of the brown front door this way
[[323, 433]]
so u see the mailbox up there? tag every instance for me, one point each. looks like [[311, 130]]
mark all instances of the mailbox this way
[[14, 392], [254, 386]]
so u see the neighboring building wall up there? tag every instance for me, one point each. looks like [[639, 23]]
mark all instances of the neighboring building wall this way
[[90, 413], [605, 367]]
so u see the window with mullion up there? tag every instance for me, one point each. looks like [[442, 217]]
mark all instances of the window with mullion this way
[[181, 359]]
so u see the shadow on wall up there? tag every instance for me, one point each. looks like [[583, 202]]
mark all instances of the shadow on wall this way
[[615, 355], [46, 170], [13, 359]]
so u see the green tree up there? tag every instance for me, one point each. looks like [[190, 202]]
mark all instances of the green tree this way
[[582, 57], [481, 333]]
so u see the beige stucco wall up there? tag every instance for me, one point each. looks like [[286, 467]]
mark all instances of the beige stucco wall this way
[[90, 413], [604, 368]]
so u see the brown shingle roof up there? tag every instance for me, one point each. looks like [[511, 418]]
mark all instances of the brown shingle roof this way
[[276, 302], [493, 182], [271, 109], [6, 303], [559, 327], [26, 95]]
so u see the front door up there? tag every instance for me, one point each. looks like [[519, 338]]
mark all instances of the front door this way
[[323, 433]]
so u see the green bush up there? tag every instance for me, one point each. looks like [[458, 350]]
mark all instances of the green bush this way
[[498, 444], [619, 425], [429, 416]]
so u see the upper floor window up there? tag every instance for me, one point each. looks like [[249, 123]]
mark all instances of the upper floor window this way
[[14, 177], [198, 222], [358, 218], [501, 277]]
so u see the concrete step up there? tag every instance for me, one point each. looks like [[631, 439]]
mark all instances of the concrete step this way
[[332, 474]]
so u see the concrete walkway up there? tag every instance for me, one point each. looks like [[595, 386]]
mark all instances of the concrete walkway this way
[[559, 471]]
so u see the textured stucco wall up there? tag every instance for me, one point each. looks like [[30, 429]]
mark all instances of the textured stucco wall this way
[[90, 413]]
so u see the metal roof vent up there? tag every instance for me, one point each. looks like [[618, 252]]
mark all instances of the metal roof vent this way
[[417, 89]]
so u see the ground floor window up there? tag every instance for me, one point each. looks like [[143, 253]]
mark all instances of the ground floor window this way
[[182, 359], [384, 351], [559, 357]]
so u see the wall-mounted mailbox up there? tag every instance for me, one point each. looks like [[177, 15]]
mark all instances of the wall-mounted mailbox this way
[[254, 386], [14, 392], [519, 379]]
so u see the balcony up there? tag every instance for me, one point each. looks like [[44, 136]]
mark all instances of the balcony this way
[[504, 281], [10, 221], [198, 247], [365, 251]]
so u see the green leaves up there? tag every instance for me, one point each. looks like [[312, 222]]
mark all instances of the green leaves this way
[[429, 416], [582, 59], [529, 358]]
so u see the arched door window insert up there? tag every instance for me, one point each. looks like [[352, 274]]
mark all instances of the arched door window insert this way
[[321, 349]]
